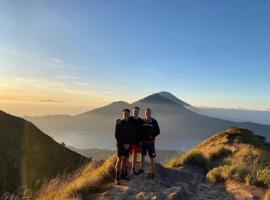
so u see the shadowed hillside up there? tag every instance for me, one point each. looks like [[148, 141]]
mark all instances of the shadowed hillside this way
[[28, 156]]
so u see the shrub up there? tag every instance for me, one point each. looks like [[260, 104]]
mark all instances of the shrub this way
[[263, 177], [175, 162], [194, 158], [219, 154], [221, 173], [226, 161], [218, 174], [238, 172]]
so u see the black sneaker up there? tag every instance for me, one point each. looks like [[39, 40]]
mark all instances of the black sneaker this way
[[140, 171], [151, 175], [134, 173], [125, 178]]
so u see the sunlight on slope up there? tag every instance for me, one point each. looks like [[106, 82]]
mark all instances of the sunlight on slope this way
[[90, 177]]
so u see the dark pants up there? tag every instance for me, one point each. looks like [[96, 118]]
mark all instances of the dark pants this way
[[121, 151], [150, 148]]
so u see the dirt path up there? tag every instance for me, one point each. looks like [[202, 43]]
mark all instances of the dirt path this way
[[171, 184], [168, 184]]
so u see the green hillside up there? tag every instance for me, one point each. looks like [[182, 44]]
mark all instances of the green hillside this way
[[236, 154], [28, 156]]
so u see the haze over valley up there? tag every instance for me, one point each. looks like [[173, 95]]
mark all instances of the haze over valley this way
[[182, 126]]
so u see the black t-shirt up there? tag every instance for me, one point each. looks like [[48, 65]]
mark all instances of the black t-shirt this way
[[150, 130], [124, 132], [137, 125]]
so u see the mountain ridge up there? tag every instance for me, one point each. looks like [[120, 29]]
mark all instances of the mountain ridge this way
[[154, 98], [172, 97], [30, 155], [178, 123]]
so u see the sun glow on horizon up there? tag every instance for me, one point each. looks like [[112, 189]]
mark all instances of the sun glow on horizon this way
[[54, 60]]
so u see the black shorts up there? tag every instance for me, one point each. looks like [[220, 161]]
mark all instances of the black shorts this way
[[121, 151], [150, 148]]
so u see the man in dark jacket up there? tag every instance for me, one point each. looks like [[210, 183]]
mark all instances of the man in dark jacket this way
[[136, 146], [124, 137], [150, 129]]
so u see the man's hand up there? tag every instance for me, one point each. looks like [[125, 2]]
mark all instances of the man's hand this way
[[126, 146]]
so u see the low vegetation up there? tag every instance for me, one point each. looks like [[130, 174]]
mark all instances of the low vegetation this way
[[267, 195], [219, 153], [236, 154], [91, 178], [190, 158]]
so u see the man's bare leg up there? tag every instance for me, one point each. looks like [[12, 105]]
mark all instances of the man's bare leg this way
[[142, 162], [123, 166], [134, 160], [152, 170], [141, 171], [118, 164]]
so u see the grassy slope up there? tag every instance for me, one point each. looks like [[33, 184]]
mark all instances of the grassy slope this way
[[236, 154], [89, 179], [29, 156]]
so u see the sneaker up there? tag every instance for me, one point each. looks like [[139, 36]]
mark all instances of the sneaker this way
[[123, 175], [134, 173], [151, 175], [140, 171], [125, 178], [117, 182]]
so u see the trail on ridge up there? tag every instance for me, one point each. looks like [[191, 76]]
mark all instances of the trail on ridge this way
[[173, 184]]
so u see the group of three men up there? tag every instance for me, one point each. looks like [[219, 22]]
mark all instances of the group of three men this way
[[135, 135]]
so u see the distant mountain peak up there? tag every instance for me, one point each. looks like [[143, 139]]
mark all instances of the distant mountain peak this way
[[155, 98], [173, 98], [119, 102]]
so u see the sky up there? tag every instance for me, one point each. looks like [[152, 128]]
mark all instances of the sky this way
[[66, 56]]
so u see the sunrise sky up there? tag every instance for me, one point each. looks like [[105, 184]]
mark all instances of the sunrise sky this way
[[66, 56]]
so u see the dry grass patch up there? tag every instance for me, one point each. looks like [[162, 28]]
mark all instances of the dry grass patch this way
[[91, 177], [190, 158], [219, 153]]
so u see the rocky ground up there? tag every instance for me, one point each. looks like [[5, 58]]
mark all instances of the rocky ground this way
[[182, 183]]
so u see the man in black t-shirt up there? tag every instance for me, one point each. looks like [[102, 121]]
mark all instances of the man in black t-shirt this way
[[124, 137], [136, 146], [150, 129]]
